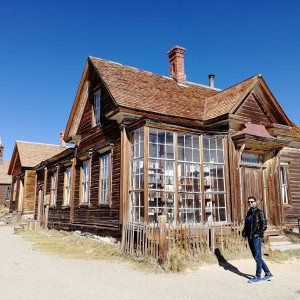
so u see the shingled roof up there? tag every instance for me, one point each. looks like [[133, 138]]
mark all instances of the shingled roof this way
[[31, 154], [227, 99], [136, 89], [142, 91]]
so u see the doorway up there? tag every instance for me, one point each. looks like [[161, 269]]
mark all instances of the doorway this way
[[252, 185]]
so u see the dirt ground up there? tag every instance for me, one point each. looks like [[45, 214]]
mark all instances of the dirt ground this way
[[28, 274]]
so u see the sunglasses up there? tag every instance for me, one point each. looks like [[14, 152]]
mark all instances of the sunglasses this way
[[251, 202]]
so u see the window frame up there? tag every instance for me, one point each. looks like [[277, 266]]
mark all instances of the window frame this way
[[108, 179], [284, 187], [8, 193], [54, 185], [87, 188], [149, 175], [67, 186], [97, 108]]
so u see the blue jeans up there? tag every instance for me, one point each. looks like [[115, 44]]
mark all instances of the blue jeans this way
[[255, 247]]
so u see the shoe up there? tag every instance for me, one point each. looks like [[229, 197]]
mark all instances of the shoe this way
[[268, 277], [255, 280]]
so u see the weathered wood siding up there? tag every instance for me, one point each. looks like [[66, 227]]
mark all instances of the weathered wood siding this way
[[3, 190], [58, 213], [103, 219], [272, 207], [16, 173], [291, 211], [252, 110], [29, 191], [234, 179]]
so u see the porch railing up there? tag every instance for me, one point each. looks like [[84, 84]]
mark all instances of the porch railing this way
[[154, 240]]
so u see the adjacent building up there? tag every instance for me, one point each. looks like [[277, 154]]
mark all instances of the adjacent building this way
[[5, 179]]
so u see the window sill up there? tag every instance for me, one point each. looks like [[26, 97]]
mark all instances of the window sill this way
[[103, 205], [287, 205], [65, 206], [84, 205]]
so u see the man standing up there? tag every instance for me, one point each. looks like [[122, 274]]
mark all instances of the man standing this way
[[255, 225]]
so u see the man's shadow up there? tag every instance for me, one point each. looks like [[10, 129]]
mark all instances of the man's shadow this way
[[228, 266]]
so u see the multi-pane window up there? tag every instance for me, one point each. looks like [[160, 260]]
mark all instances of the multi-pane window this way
[[53, 188], [178, 164], [284, 184], [214, 179], [137, 177], [85, 181], [7, 196], [105, 179], [189, 178], [96, 107], [161, 177], [251, 158], [67, 186]]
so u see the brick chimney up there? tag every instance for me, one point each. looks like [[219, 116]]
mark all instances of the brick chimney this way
[[176, 60], [62, 141]]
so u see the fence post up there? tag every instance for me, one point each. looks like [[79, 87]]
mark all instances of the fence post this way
[[162, 220]]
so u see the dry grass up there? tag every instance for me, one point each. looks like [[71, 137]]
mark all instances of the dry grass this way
[[3, 211], [72, 245]]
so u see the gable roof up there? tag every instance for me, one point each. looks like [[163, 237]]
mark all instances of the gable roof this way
[[31, 154], [133, 88], [228, 100], [225, 100], [4, 177], [142, 91]]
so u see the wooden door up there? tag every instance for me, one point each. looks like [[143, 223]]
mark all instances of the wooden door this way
[[252, 185]]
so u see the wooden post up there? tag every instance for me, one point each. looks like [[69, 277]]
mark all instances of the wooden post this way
[[46, 216], [162, 220], [73, 183]]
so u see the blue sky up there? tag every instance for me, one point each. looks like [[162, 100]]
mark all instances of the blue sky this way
[[44, 46]]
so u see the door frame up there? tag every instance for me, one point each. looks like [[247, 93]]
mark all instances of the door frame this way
[[260, 195]]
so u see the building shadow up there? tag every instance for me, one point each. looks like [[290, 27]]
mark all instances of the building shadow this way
[[228, 266]]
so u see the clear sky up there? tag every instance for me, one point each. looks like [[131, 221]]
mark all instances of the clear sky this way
[[44, 46]]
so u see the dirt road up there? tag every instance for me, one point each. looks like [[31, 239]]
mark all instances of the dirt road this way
[[28, 274]]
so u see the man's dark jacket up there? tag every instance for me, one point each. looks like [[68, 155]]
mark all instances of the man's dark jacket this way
[[258, 224]]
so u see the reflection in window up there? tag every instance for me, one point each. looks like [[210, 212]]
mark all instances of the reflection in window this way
[[96, 107], [167, 193], [137, 177], [214, 180], [67, 185], [104, 179], [161, 175], [53, 188], [7, 196], [85, 182], [189, 178], [284, 184]]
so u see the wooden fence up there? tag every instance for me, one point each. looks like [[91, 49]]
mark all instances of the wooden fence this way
[[154, 240]]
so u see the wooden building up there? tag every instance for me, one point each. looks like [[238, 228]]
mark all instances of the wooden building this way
[[147, 145], [5, 179], [26, 155]]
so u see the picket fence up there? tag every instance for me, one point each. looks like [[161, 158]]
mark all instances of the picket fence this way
[[154, 240]]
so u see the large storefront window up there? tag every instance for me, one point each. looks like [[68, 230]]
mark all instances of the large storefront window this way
[[137, 177], [161, 175], [214, 183], [189, 188], [185, 176]]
